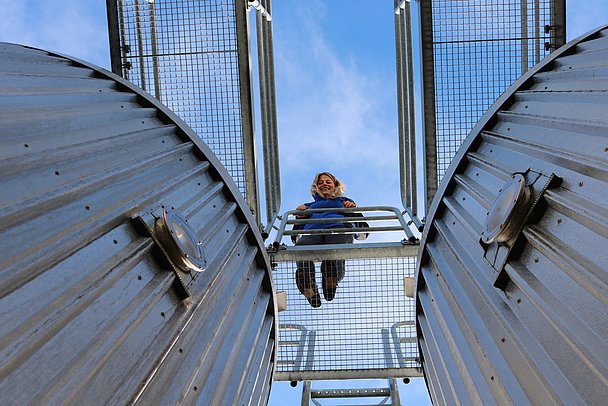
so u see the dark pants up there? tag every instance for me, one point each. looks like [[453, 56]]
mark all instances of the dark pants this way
[[305, 272]]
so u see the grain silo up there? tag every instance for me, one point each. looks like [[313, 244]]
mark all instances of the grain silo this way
[[132, 268], [512, 281]]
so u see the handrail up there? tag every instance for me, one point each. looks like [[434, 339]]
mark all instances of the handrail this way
[[302, 360], [398, 340], [396, 215]]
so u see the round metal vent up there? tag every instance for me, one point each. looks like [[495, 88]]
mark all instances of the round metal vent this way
[[507, 212], [180, 242]]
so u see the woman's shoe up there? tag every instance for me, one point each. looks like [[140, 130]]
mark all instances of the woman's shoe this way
[[330, 284], [313, 297]]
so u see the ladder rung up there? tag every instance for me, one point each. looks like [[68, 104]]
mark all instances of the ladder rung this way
[[350, 393]]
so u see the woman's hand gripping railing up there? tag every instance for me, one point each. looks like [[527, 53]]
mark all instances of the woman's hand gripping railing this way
[[354, 220]]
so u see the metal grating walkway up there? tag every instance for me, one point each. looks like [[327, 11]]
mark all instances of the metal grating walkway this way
[[367, 331]]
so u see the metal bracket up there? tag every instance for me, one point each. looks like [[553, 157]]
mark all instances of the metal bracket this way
[[523, 212]]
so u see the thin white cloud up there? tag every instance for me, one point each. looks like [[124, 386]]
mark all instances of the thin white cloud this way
[[330, 111]]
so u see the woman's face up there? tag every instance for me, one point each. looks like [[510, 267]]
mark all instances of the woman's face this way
[[325, 185]]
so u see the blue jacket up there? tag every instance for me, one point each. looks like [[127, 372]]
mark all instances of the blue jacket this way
[[323, 203]]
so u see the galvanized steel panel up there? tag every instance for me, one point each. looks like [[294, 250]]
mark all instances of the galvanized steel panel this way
[[512, 289], [91, 307]]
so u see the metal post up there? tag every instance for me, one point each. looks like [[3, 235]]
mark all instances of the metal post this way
[[140, 45], [401, 119], [157, 92], [113, 35], [276, 177], [429, 115], [268, 116], [537, 31], [246, 97], [524, 36], [306, 393], [124, 48], [411, 110], [392, 384], [559, 22]]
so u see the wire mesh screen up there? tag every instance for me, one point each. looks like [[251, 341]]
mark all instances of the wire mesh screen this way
[[480, 48], [184, 52], [369, 325]]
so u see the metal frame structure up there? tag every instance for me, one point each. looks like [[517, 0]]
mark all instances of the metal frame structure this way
[[409, 75], [447, 69], [457, 58], [195, 58], [390, 393], [270, 139]]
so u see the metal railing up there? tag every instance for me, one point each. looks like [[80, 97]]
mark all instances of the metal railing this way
[[390, 219], [304, 345]]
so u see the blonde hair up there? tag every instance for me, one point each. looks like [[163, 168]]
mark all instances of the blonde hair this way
[[339, 190]]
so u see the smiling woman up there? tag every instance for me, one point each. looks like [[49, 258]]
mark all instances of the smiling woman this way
[[328, 193]]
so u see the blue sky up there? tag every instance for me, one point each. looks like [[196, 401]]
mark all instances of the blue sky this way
[[336, 96]]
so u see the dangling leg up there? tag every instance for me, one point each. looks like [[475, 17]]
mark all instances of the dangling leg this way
[[332, 271], [305, 275], [306, 283]]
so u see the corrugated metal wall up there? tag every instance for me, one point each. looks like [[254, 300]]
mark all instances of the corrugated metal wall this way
[[91, 310], [522, 317]]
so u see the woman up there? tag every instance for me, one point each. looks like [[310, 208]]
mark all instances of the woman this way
[[328, 193]]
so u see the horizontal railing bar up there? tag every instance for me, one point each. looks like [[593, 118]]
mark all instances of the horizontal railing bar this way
[[347, 210], [342, 230], [349, 393], [342, 220], [345, 251], [378, 373]]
